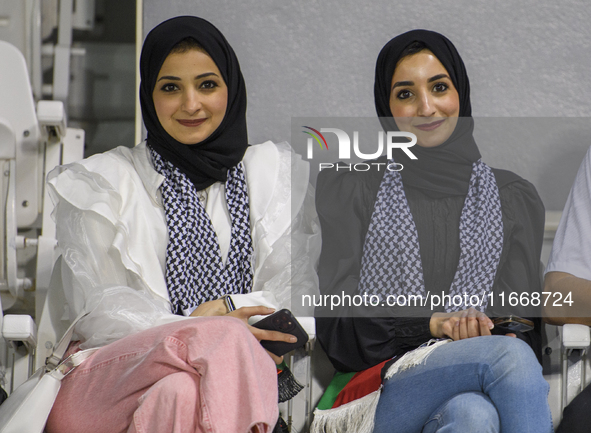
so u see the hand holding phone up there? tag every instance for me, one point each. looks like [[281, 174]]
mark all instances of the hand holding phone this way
[[282, 321], [511, 324]]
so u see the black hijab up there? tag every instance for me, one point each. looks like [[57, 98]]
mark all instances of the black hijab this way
[[208, 161], [443, 170]]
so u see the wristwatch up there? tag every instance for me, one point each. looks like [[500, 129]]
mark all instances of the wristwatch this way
[[229, 304]]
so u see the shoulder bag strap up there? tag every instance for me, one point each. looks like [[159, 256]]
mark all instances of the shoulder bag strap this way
[[60, 349]]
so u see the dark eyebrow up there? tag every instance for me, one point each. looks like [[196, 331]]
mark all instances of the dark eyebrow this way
[[198, 77], [207, 74], [169, 77], [403, 83], [438, 77]]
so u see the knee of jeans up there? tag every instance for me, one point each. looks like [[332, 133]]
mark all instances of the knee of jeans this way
[[514, 353], [515, 357], [466, 412], [235, 330], [231, 327], [225, 324]]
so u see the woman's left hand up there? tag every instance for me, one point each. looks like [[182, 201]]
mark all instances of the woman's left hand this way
[[460, 324], [211, 308]]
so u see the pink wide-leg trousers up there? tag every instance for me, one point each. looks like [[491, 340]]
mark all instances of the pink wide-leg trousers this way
[[205, 374]]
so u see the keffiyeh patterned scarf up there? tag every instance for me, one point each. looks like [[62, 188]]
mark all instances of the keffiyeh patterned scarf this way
[[391, 262], [195, 271]]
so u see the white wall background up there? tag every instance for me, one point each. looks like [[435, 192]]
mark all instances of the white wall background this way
[[316, 58]]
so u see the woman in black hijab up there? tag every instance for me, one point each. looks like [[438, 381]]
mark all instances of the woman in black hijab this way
[[210, 160], [190, 223], [445, 225]]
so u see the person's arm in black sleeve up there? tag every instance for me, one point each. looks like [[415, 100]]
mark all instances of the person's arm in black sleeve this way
[[354, 338], [519, 270]]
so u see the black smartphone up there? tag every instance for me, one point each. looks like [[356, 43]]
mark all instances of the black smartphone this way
[[507, 324], [282, 321]]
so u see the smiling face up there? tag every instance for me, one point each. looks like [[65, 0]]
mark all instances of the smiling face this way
[[424, 100], [190, 96]]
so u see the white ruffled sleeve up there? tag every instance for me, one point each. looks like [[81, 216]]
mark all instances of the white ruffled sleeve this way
[[97, 269]]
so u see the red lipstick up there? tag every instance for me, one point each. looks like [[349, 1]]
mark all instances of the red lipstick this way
[[191, 122], [430, 126]]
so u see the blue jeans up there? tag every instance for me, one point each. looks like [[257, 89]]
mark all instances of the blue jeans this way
[[482, 384]]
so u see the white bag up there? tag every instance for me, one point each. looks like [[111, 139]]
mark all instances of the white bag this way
[[27, 408]]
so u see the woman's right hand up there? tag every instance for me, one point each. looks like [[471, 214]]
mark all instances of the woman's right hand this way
[[244, 313], [459, 325]]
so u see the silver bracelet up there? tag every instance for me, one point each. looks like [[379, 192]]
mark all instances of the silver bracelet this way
[[229, 304]]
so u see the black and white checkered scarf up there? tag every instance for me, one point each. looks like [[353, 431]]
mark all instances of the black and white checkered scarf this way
[[391, 262], [195, 271]]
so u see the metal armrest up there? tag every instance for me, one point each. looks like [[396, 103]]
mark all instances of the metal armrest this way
[[21, 328], [309, 325], [303, 354], [52, 117], [573, 337]]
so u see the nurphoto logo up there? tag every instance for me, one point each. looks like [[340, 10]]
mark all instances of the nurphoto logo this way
[[389, 140]]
